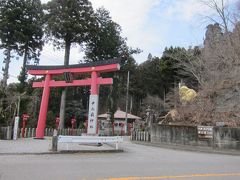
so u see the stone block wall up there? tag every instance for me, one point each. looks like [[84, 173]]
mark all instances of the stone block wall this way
[[226, 138], [223, 137]]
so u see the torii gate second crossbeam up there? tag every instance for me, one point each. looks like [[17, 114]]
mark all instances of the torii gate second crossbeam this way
[[68, 71]]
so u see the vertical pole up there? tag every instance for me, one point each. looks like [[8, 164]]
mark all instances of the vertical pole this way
[[54, 142], [127, 102], [131, 105], [43, 109], [93, 106], [18, 105]]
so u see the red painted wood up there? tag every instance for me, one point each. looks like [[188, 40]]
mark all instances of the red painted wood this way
[[94, 82], [100, 69], [85, 82], [94, 85], [104, 81], [43, 109]]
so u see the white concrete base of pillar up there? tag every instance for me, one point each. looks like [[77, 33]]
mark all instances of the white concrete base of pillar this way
[[93, 115]]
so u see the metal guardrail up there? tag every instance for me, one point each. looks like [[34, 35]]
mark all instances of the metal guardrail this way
[[91, 139]]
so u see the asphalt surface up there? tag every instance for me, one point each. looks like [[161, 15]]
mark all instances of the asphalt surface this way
[[136, 162], [35, 147]]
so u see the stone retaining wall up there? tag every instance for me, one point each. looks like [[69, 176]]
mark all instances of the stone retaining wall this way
[[222, 137], [226, 138]]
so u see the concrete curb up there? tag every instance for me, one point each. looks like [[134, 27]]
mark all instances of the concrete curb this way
[[30, 153], [190, 148], [90, 151], [65, 152]]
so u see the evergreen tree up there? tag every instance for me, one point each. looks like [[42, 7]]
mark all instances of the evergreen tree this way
[[106, 42], [68, 22], [30, 33], [157, 76], [9, 16], [21, 30]]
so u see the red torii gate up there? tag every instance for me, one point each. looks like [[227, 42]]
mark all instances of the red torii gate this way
[[94, 69]]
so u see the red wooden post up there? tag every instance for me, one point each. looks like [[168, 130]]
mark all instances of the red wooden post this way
[[23, 127], [94, 85], [73, 122], [24, 121], [57, 122], [43, 109]]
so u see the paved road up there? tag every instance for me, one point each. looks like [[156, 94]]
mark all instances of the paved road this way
[[138, 162]]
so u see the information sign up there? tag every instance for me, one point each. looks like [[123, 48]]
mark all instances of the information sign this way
[[205, 132]]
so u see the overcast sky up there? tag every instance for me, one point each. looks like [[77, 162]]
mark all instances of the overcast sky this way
[[150, 25]]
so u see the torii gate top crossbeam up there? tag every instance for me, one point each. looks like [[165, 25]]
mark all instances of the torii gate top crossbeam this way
[[100, 66]]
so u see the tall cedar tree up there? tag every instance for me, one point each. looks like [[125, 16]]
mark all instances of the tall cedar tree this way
[[21, 30], [30, 33], [68, 22], [9, 15], [106, 42]]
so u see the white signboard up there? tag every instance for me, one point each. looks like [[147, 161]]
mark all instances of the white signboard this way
[[15, 130], [205, 132], [92, 114]]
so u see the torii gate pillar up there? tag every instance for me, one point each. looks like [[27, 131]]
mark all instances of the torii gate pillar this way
[[93, 105], [43, 108]]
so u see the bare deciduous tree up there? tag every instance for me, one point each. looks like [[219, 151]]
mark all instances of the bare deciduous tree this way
[[221, 13], [217, 68]]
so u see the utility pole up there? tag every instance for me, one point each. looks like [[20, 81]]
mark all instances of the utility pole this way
[[127, 102]]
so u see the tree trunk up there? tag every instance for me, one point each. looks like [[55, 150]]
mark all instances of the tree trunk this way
[[6, 69], [62, 108], [25, 58], [23, 74], [64, 92]]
